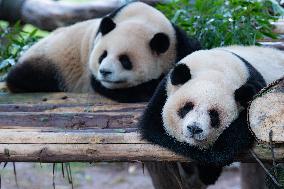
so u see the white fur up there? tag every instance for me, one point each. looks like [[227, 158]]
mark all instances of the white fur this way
[[136, 25], [75, 49], [216, 74]]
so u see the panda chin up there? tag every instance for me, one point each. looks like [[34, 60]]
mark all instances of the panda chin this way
[[112, 84], [199, 143]]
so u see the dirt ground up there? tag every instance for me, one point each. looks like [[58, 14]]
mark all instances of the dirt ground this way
[[93, 176]]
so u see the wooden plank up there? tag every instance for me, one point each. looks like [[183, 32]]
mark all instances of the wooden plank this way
[[53, 98], [103, 136], [70, 120], [62, 130], [84, 153], [93, 146]]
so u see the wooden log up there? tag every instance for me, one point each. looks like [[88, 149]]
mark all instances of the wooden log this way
[[274, 44], [252, 176], [279, 26], [266, 113], [49, 14], [68, 127]]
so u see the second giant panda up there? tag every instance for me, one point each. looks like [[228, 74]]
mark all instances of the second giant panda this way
[[122, 56], [199, 109]]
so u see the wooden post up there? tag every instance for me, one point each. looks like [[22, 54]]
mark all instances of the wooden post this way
[[167, 175], [252, 176]]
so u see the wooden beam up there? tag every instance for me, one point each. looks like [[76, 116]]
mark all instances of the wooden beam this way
[[64, 127]]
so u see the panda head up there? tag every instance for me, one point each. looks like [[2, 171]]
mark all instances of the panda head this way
[[198, 109], [129, 53], [195, 111]]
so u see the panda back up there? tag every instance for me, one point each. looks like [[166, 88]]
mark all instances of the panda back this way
[[268, 62]]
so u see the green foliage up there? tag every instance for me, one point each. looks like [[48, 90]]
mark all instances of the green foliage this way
[[224, 22], [13, 42]]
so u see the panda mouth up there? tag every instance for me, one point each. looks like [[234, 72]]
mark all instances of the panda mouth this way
[[196, 137], [115, 82]]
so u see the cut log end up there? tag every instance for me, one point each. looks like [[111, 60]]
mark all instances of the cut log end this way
[[266, 113]]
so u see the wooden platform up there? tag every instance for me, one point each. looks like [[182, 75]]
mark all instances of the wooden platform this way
[[62, 127]]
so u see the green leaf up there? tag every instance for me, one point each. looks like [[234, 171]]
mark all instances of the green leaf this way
[[224, 22]]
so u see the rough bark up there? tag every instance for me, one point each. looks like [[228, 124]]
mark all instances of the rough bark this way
[[70, 127], [266, 113], [49, 15]]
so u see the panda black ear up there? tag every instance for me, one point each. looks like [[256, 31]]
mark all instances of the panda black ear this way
[[160, 43], [245, 94], [180, 74], [106, 25]]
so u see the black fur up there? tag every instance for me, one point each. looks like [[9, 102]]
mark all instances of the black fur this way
[[34, 75], [254, 84], [106, 26], [102, 57], [125, 62], [160, 43], [116, 11], [112, 15], [209, 174], [185, 45], [185, 109], [214, 118], [180, 74], [221, 153], [139, 93]]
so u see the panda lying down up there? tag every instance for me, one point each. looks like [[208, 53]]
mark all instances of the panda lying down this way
[[199, 109], [122, 56]]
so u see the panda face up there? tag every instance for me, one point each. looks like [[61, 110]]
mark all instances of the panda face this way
[[198, 111], [129, 55]]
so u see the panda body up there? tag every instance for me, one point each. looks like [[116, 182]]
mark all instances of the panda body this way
[[128, 50], [199, 109], [216, 75]]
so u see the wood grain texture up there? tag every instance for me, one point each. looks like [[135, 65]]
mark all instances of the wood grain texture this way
[[266, 113], [64, 127]]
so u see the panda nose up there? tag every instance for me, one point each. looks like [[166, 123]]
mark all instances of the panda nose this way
[[105, 72], [194, 130]]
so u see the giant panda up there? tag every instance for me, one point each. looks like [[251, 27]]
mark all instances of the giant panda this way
[[199, 109], [122, 56]]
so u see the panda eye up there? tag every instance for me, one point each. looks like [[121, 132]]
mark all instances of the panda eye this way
[[214, 118], [125, 62], [102, 57], [185, 109]]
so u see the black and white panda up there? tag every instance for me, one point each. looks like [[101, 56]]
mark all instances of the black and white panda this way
[[199, 109], [122, 56]]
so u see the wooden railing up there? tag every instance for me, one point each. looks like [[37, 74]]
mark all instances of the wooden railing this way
[[64, 127]]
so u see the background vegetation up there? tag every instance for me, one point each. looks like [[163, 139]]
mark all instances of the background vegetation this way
[[213, 22], [14, 40], [224, 22]]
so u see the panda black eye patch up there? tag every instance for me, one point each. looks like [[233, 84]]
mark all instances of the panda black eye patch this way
[[125, 62], [214, 118], [185, 109], [103, 56]]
